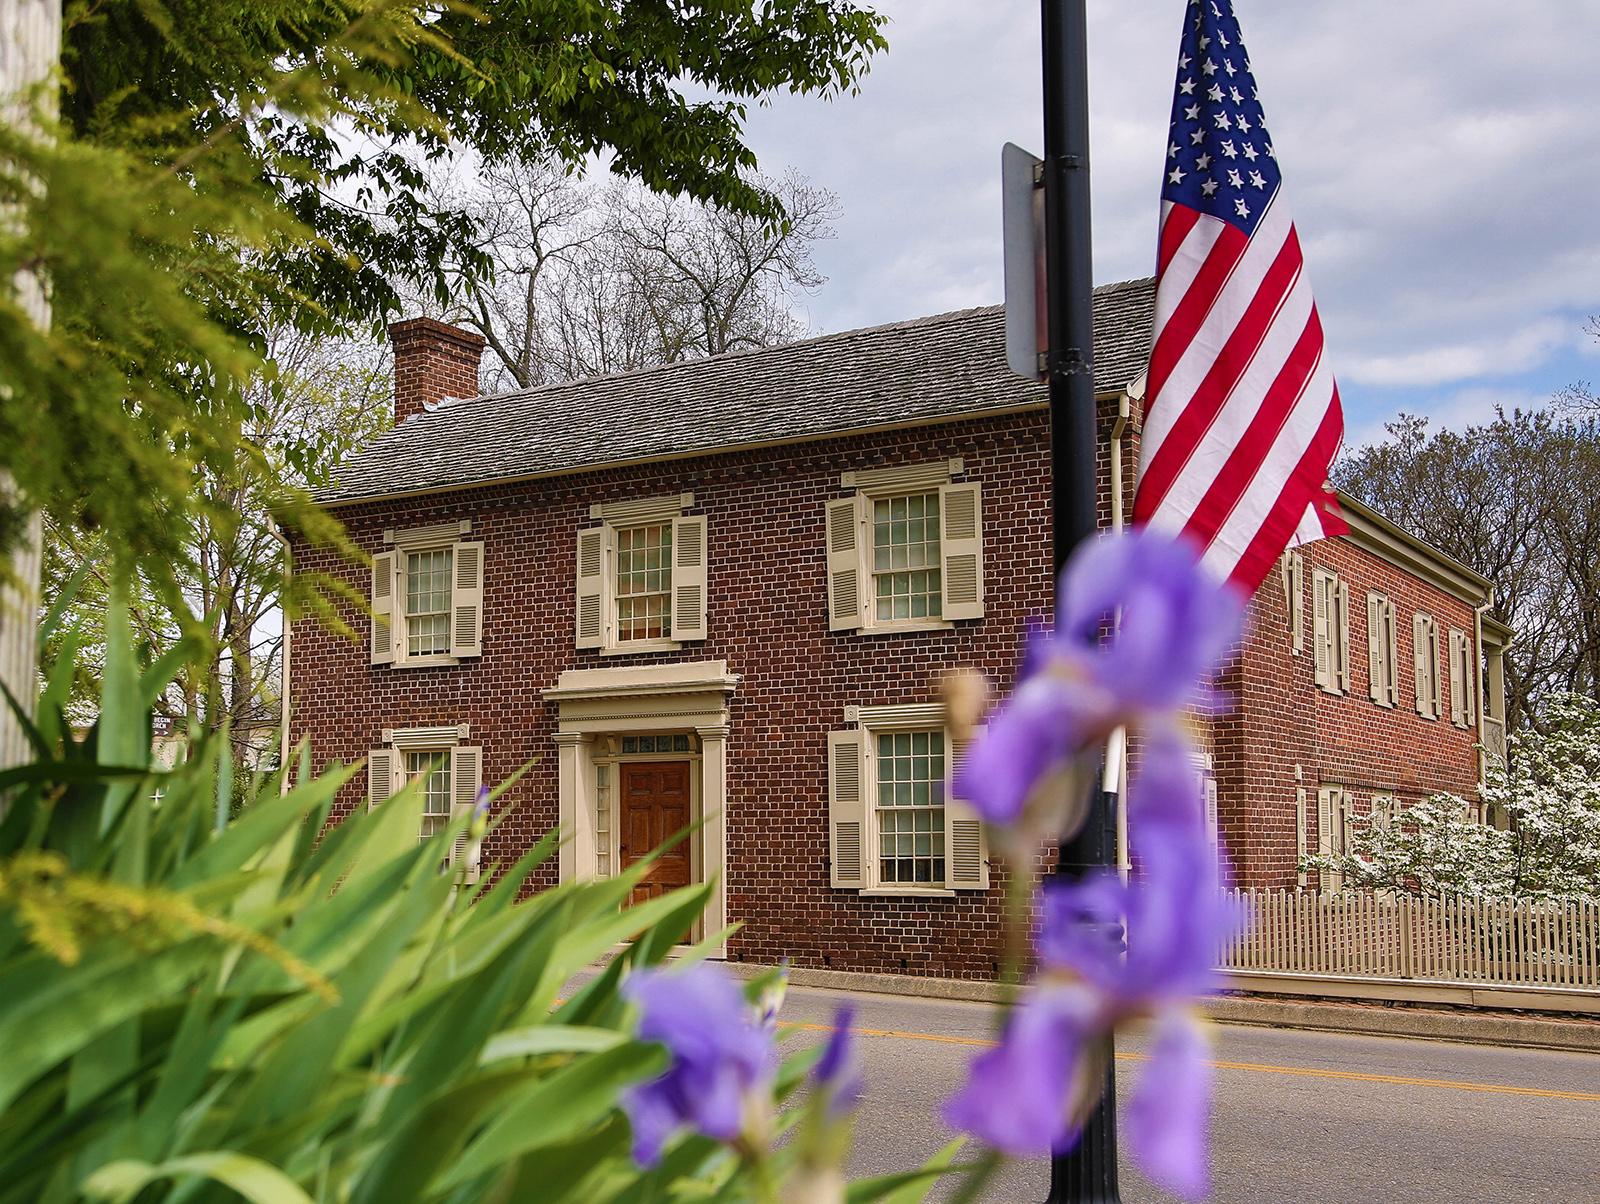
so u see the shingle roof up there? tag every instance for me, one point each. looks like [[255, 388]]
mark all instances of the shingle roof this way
[[922, 370]]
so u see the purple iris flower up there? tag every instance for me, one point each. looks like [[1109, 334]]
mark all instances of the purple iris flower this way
[[838, 1071], [721, 1057], [1082, 680], [1025, 1096], [1019, 1096]]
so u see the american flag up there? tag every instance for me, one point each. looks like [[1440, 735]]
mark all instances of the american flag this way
[[1242, 415]]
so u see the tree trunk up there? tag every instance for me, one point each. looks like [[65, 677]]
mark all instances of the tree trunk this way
[[30, 44]]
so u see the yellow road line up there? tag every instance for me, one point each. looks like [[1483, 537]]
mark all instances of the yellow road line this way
[[1398, 1080]]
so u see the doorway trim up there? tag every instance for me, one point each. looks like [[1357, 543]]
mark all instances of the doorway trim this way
[[643, 699]]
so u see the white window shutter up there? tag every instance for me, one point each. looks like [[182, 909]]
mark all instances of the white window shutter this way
[[1391, 649], [966, 843], [844, 565], [1375, 684], [591, 576], [1300, 832], [1347, 826], [383, 608], [1457, 683], [1419, 661], [689, 555], [466, 775], [1435, 682], [961, 546], [1471, 677], [847, 811], [1342, 660], [1297, 605], [466, 600], [383, 775], [1321, 647]]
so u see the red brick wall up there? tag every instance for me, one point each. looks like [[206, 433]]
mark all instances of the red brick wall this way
[[432, 360], [767, 618], [1283, 719]]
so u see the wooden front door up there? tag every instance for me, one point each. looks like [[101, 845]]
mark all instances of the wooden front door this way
[[655, 809]]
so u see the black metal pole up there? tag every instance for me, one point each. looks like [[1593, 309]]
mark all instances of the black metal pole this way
[[1088, 1173]]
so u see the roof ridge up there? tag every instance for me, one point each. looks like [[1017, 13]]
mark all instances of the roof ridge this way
[[745, 352]]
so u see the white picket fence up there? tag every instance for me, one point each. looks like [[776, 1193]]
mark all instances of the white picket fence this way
[[1492, 942]]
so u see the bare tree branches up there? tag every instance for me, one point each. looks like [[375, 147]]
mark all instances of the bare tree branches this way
[[1515, 499], [590, 279]]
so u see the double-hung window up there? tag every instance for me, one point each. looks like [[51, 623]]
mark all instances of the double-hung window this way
[[1425, 663], [1383, 651], [893, 825], [432, 770], [641, 576], [1330, 631], [904, 549], [427, 597], [905, 557], [910, 807]]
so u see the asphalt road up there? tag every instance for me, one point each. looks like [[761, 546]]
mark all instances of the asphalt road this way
[[1315, 1117]]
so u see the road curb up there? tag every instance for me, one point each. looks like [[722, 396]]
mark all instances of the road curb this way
[[1471, 1027]]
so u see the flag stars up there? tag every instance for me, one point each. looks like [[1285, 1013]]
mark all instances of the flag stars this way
[[1204, 42], [1187, 87], [1214, 92], [1229, 150], [1241, 208], [1197, 137], [1208, 67], [1209, 188], [1222, 122], [1258, 180], [1238, 96], [1203, 163], [1227, 65], [1176, 175], [1251, 153], [1172, 151], [1183, 62], [1235, 180], [1192, 113], [1244, 123]]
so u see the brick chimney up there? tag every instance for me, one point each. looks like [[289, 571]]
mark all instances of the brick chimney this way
[[432, 361]]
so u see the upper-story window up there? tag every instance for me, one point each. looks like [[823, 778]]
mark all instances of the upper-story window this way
[[905, 549], [905, 557], [641, 576], [1425, 663], [644, 582], [1383, 651], [1330, 631], [1464, 680], [427, 596]]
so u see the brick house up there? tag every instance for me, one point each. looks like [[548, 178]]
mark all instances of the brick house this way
[[725, 590]]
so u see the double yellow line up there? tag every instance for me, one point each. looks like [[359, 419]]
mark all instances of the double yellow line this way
[[1397, 1080]]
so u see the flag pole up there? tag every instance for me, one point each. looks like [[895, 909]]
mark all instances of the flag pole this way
[[1087, 1174]]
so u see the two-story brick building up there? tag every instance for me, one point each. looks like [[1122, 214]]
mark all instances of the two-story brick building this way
[[723, 591]]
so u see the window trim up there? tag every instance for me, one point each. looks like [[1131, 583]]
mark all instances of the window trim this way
[[875, 484], [402, 543], [609, 518]]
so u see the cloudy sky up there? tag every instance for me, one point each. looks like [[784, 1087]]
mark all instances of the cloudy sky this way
[[1442, 159]]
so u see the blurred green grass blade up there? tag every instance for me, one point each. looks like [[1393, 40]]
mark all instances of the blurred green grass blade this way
[[561, 1106], [61, 1009], [258, 1182], [538, 1039]]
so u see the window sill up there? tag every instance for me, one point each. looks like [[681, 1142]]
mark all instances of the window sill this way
[[641, 646], [907, 625], [424, 662], [908, 892]]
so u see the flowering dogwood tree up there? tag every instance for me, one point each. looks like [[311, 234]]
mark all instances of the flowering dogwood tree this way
[[1549, 797]]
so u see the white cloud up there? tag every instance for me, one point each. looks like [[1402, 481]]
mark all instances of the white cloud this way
[[1441, 157]]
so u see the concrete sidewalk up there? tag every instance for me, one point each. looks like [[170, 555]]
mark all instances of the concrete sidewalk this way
[[1465, 1025]]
